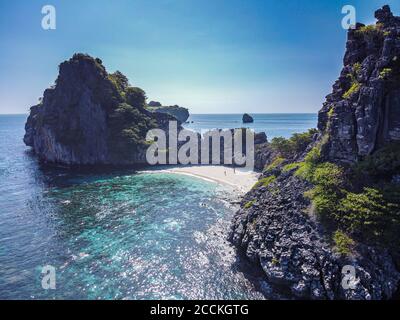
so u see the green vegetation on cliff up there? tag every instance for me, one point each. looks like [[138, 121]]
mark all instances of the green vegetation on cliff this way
[[276, 163], [249, 204], [371, 31], [359, 201], [128, 128], [343, 243], [369, 209], [385, 73], [383, 164], [288, 148], [265, 182], [374, 213], [129, 122], [355, 85]]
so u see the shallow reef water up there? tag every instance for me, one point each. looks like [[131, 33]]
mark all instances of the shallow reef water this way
[[112, 235]]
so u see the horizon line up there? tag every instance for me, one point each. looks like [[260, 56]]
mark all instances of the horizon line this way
[[251, 113]]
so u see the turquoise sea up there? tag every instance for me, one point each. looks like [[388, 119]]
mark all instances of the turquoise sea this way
[[119, 234]]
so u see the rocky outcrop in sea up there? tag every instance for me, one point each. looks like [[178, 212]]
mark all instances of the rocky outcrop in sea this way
[[91, 117], [247, 118], [179, 113], [154, 104], [279, 228]]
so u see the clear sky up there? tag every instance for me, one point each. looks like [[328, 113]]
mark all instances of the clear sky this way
[[212, 56]]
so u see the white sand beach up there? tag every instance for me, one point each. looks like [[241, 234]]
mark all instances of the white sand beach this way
[[241, 179]]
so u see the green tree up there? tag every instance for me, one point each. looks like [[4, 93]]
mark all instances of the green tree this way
[[135, 97]]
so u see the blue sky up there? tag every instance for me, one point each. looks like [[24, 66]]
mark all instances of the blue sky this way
[[212, 56]]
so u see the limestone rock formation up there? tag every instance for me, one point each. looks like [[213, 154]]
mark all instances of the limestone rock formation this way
[[278, 228], [247, 118], [91, 117], [362, 113], [154, 104], [179, 113], [275, 232]]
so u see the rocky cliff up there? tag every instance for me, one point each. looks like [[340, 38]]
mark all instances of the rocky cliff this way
[[330, 200], [179, 113], [91, 117], [362, 113]]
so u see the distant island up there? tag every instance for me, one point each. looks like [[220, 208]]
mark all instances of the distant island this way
[[180, 113]]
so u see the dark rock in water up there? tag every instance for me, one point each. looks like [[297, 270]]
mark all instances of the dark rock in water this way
[[247, 118], [277, 229], [154, 104], [91, 117], [179, 113], [362, 114]]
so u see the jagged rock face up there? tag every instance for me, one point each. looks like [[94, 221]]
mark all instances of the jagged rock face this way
[[68, 113], [276, 234], [276, 228], [72, 124], [263, 155], [362, 113]]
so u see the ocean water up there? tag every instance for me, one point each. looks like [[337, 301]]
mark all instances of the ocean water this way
[[274, 125], [118, 234]]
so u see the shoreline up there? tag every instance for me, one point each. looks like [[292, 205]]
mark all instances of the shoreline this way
[[240, 179]]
